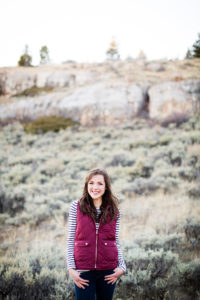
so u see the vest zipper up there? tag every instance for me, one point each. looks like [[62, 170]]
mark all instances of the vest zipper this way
[[97, 231], [96, 248]]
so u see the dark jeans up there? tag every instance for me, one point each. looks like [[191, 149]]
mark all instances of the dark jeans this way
[[97, 286]]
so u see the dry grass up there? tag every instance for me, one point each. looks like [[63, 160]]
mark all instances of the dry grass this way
[[156, 214], [142, 216]]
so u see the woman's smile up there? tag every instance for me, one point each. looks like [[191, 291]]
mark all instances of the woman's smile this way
[[96, 186]]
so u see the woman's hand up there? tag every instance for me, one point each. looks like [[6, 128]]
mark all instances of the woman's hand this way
[[112, 278], [80, 282]]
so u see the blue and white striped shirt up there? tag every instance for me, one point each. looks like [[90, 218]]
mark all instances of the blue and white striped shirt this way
[[71, 236]]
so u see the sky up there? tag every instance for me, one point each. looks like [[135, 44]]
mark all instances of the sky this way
[[81, 30]]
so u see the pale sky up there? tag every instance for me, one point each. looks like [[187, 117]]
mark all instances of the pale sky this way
[[82, 30]]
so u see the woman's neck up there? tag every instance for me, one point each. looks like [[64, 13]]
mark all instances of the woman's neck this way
[[97, 202]]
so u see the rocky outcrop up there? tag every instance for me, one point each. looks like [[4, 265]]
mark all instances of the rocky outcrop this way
[[155, 67], [12, 83], [99, 103], [103, 103], [103, 93], [171, 98], [15, 82]]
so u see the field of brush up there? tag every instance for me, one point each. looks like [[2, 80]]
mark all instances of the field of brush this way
[[155, 173]]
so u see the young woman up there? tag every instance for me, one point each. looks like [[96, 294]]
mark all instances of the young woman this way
[[94, 258]]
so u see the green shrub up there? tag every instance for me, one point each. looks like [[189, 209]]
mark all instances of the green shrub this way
[[25, 59], [195, 137], [170, 242], [145, 186], [188, 173], [39, 273], [194, 192], [34, 91], [35, 275], [148, 274], [189, 274], [192, 232], [141, 168], [49, 123], [11, 203], [151, 142], [18, 174], [176, 152]]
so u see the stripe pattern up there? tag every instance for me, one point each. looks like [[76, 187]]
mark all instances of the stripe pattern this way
[[71, 236]]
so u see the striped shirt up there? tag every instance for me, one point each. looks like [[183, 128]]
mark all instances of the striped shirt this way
[[71, 236]]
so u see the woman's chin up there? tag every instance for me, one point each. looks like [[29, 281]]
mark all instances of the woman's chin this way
[[95, 196]]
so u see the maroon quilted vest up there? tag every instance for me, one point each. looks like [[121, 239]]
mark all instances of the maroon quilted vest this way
[[95, 249]]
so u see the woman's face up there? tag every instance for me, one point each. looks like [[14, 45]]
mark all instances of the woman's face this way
[[96, 186]]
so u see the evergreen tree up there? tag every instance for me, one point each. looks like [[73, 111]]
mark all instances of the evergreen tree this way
[[195, 51], [196, 47], [25, 59], [44, 55], [188, 54]]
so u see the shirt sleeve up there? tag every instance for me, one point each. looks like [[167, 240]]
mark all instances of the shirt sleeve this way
[[121, 262], [72, 221]]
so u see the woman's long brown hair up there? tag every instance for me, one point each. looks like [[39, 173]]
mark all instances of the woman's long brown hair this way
[[109, 201]]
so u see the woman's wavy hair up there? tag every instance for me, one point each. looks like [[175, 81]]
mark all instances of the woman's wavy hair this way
[[109, 201]]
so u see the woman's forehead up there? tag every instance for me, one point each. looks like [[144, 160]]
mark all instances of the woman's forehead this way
[[97, 177]]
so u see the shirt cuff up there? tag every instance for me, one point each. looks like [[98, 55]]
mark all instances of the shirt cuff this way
[[123, 268]]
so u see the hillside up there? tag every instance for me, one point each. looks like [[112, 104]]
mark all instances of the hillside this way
[[138, 119], [105, 93], [155, 175]]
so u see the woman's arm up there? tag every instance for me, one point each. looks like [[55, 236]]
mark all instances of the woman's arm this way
[[71, 266], [71, 235], [121, 262], [121, 269]]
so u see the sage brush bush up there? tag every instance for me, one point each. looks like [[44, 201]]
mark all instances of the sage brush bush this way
[[36, 274]]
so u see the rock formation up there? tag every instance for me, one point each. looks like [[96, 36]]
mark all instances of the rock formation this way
[[104, 93], [173, 98], [99, 103]]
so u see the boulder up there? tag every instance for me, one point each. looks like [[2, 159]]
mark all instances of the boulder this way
[[99, 103], [15, 82], [171, 98], [103, 103], [12, 83], [55, 79]]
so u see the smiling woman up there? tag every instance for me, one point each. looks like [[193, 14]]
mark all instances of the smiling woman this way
[[96, 189], [94, 258]]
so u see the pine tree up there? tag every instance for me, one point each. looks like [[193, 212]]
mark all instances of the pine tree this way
[[44, 55], [188, 54], [25, 59], [196, 47], [195, 51]]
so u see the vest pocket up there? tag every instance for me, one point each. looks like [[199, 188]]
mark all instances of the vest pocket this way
[[81, 243], [109, 243], [109, 250], [81, 251]]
